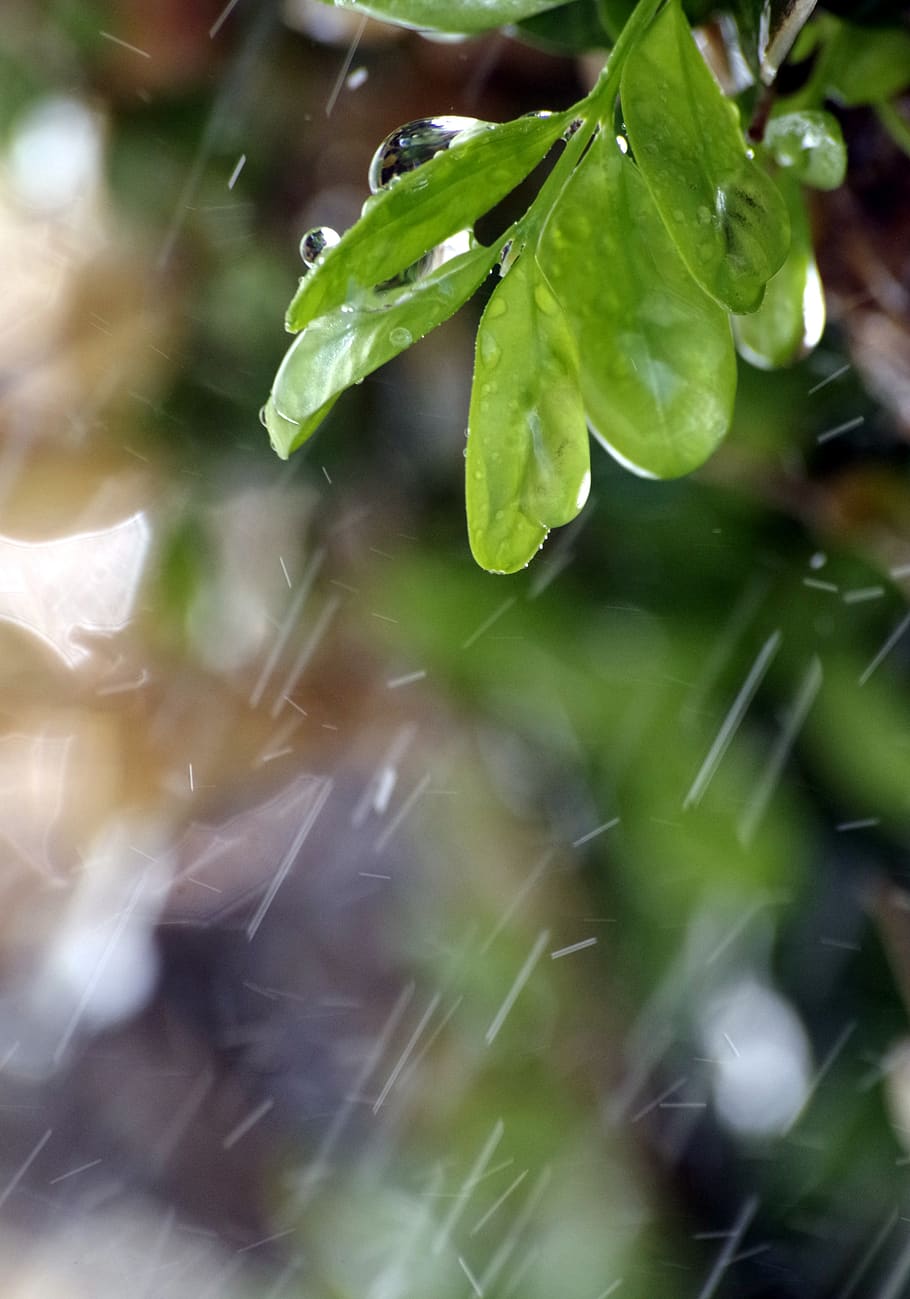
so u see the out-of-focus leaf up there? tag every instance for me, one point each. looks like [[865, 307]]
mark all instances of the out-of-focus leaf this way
[[527, 467], [724, 214], [858, 735], [810, 145], [448, 15], [658, 373], [571, 29], [867, 65], [423, 208], [341, 348], [791, 318], [614, 14]]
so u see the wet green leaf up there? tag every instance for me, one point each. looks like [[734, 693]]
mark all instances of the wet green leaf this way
[[724, 214], [810, 145], [658, 372], [287, 434], [421, 209], [341, 348], [791, 318], [527, 467], [448, 15], [867, 65]]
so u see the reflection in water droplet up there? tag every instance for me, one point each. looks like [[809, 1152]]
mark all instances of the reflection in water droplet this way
[[432, 261], [315, 242], [410, 146], [401, 337]]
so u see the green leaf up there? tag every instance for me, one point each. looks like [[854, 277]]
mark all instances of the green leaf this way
[[658, 371], [421, 209], [341, 348], [527, 466], [448, 15], [866, 66], [724, 214], [286, 434], [791, 318], [810, 145]]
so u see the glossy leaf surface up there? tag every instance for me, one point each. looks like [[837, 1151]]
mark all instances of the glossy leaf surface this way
[[341, 348], [810, 145], [420, 210], [527, 466], [448, 15], [658, 372], [724, 213], [790, 320]]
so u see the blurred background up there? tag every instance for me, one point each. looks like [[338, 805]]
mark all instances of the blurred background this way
[[373, 927]]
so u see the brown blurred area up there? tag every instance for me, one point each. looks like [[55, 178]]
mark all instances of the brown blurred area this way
[[194, 711]]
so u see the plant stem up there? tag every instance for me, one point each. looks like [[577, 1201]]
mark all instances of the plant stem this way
[[594, 110]]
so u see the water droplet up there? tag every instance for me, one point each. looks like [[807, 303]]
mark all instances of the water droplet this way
[[497, 307], [401, 337], [678, 214], [489, 350], [410, 146], [315, 242], [263, 420], [545, 300]]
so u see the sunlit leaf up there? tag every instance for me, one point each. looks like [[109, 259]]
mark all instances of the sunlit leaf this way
[[810, 145], [724, 214], [341, 348], [421, 209], [790, 320], [527, 466], [658, 372], [448, 15]]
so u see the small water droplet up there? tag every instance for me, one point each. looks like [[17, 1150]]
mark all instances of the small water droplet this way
[[263, 419], [489, 350], [401, 337], [410, 146], [315, 242], [545, 300]]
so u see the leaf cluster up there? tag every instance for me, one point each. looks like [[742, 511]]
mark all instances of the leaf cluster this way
[[662, 239]]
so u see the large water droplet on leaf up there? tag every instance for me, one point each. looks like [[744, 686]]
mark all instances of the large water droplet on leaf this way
[[315, 242], [410, 146]]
